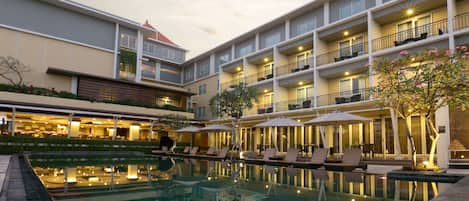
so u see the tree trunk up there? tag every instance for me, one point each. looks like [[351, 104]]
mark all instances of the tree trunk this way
[[412, 143], [397, 146], [431, 129]]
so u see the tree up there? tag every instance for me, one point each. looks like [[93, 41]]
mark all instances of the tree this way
[[422, 83], [231, 103], [11, 69]]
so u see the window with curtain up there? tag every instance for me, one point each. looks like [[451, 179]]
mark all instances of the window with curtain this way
[[357, 45], [267, 69], [352, 86], [404, 31], [148, 69], [344, 48], [423, 25]]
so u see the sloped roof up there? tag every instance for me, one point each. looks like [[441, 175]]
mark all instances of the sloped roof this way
[[158, 36]]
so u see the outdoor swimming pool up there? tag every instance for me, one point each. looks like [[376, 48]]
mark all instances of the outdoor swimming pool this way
[[168, 179]]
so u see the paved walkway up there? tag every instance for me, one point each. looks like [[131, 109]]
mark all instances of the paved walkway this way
[[4, 161]]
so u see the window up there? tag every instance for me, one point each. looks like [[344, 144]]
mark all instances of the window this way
[[344, 48], [203, 68], [353, 46], [404, 31], [272, 39], [202, 89], [189, 74], [148, 69], [423, 25], [148, 48], [200, 112], [245, 50], [170, 73], [350, 7], [305, 26], [239, 77], [351, 86], [267, 100], [267, 69], [128, 41], [304, 93], [303, 59]]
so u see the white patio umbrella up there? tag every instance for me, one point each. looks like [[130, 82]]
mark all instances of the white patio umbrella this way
[[334, 119], [215, 128], [278, 122], [189, 130]]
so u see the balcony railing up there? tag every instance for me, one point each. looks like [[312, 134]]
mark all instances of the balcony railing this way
[[258, 77], [343, 54], [294, 67], [352, 96], [411, 35], [265, 108], [461, 21], [295, 104], [231, 83]]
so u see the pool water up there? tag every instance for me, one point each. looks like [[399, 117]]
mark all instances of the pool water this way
[[171, 179]]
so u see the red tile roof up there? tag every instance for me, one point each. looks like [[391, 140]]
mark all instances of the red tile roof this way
[[156, 35]]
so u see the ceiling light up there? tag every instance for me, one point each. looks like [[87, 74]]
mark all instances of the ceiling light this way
[[238, 68], [300, 83], [347, 73], [265, 90], [345, 33], [409, 11], [266, 59], [300, 48]]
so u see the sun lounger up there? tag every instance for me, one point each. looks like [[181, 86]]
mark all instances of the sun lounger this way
[[270, 152], [211, 151], [350, 161], [317, 160], [194, 151], [164, 150], [221, 155], [289, 159]]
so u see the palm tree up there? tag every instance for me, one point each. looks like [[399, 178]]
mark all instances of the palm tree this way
[[231, 103]]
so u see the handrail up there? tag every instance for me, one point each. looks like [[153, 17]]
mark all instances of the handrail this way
[[337, 55], [259, 76], [351, 96], [461, 21], [294, 67], [295, 104], [411, 35]]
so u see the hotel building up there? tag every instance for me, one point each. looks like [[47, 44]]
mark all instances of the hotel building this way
[[127, 73], [318, 58], [310, 61]]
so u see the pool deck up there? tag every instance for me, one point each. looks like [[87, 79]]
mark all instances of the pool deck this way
[[457, 192]]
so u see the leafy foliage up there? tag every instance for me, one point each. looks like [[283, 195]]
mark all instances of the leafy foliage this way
[[233, 101], [422, 83]]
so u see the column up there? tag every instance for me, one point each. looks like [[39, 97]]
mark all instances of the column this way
[[132, 172], [114, 131], [71, 175], [138, 71], [13, 120], [442, 125], [74, 128], [116, 51], [150, 137], [134, 132]]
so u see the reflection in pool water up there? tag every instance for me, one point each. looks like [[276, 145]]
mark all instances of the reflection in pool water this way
[[168, 179]]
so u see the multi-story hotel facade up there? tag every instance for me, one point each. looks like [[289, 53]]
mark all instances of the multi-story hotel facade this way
[[318, 59], [90, 74], [313, 60]]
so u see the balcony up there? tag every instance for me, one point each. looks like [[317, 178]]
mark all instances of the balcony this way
[[342, 54], [231, 84], [353, 96], [259, 77], [295, 104], [295, 67], [265, 108], [461, 21], [411, 35]]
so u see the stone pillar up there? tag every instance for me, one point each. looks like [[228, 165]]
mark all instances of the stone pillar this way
[[132, 172], [442, 125]]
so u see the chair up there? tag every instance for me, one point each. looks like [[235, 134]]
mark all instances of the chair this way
[[164, 150], [295, 70], [290, 158], [269, 110], [260, 111], [339, 100], [221, 155], [350, 161], [317, 160], [270, 152], [260, 79], [307, 104], [305, 67], [269, 76], [293, 106], [356, 98], [194, 150]]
